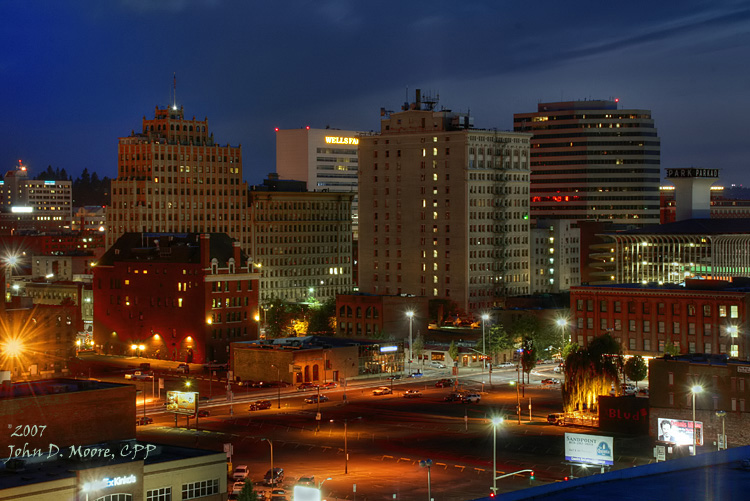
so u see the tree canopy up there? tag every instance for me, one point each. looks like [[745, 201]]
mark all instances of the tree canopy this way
[[636, 369], [590, 372]]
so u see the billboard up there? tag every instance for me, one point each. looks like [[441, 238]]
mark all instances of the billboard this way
[[305, 493], [589, 449], [182, 402], [679, 432], [623, 415]]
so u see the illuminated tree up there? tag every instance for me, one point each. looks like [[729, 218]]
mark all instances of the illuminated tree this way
[[418, 347], [671, 349], [453, 351], [636, 369], [590, 372], [300, 327], [323, 318]]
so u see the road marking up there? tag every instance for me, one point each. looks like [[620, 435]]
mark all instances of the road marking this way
[[383, 458], [403, 459], [459, 466], [479, 470]]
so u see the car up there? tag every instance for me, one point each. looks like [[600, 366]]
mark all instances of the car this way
[[143, 420], [237, 487], [642, 392], [444, 383], [204, 413], [314, 399], [183, 369], [394, 377], [504, 365], [557, 418], [241, 472], [306, 386], [412, 393], [551, 380], [308, 480], [278, 476], [330, 384], [383, 390], [437, 365], [416, 374], [278, 495], [259, 405], [558, 369], [454, 397], [139, 375], [471, 398]]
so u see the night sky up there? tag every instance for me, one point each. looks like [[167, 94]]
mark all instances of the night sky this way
[[76, 75]]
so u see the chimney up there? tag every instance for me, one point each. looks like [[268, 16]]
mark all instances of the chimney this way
[[205, 250], [692, 192]]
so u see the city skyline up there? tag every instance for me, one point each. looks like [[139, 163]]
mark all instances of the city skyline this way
[[82, 75]]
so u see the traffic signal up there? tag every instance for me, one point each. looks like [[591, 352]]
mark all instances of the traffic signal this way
[[492, 494], [565, 479], [531, 475]]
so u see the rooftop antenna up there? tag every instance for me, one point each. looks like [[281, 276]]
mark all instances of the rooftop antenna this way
[[174, 91]]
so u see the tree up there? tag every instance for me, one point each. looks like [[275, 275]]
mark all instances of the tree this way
[[671, 349], [499, 340], [528, 356], [418, 347], [279, 316], [636, 369], [590, 372], [322, 318], [248, 493], [453, 351]]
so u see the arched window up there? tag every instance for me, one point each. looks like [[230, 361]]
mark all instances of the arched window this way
[[316, 375], [342, 311], [359, 312], [375, 313], [214, 266], [368, 313], [231, 265], [349, 312], [307, 373]]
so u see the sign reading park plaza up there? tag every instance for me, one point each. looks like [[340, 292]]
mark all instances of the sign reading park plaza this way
[[342, 140], [692, 172], [589, 449]]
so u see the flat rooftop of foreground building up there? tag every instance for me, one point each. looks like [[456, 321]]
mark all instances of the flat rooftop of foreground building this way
[[306, 343], [67, 461], [737, 284], [713, 475], [42, 387], [691, 227]]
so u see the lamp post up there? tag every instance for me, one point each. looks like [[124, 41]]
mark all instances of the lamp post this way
[[694, 390], [485, 317], [496, 421], [278, 386], [273, 473], [723, 443], [518, 401], [410, 314], [346, 444], [426, 463]]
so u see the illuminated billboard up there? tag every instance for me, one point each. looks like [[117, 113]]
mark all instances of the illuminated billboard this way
[[304, 493], [182, 402], [341, 140], [589, 449], [679, 432]]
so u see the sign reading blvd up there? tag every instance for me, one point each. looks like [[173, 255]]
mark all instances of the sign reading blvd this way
[[589, 449]]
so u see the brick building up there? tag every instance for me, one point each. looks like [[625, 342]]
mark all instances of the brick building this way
[[367, 315], [183, 296], [725, 385], [704, 316]]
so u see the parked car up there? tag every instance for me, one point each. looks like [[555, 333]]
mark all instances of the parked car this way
[[308, 480], [237, 487], [139, 375], [259, 405], [143, 420], [454, 397], [204, 413], [394, 377], [551, 380], [278, 477], [416, 374], [558, 369], [472, 398], [183, 369], [313, 399], [444, 383], [383, 390], [412, 393], [557, 418], [437, 365], [241, 472], [306, 386], [278, 495], [330, 384], [642, 392]]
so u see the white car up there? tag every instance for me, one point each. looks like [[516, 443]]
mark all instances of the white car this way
[[437, 365], [237, 487], [139, 375], [558, 369], [241, 472], [383, 390], [472, 398]]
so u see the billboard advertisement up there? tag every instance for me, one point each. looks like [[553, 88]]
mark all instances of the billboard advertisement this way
[[679, 431], [182, 402], [623, 415], [589, 449]]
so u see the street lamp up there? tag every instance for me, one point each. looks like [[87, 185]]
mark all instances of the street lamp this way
[[485, 317], [562, 324], [346, 445], [410, 314], [694, 390], [320, 485], [722, 415], [426, 463], [278, 386], [273, 473], [496, 421]]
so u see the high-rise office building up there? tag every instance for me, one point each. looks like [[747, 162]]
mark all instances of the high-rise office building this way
[[43, 203], [326, 159], [447, 208], [591, 160], [173, 177]]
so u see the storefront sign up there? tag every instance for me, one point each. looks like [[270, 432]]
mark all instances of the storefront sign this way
[[385, 349], [110, 482], [589, 449]]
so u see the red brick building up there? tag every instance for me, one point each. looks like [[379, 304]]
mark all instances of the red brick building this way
[[704, 316], [367, 315], [178, 296]]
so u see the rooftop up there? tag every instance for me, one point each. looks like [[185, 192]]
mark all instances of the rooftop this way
[[168, 248], [53, 386], [727, 226]]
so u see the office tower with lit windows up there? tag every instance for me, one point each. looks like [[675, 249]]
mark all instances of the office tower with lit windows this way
[[591, 160], [447, 208], [326, 159], [173, 177], [45, 204]]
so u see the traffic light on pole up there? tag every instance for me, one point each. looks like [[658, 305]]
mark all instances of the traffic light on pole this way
[[492, 494], [531, 475]]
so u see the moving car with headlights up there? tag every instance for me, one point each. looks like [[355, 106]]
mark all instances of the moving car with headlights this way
[[444, 383], [454, 397], [314, 399], [412, 393], [383, 390], [259, 405]]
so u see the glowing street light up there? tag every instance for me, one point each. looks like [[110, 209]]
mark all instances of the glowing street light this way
[[485, 317], [694, 390], [496, 421], [410, 314]]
